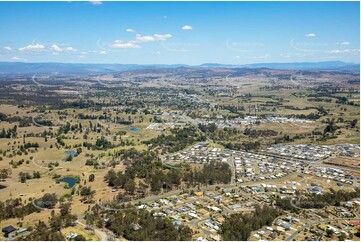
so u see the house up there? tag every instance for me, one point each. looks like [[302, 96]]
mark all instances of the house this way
[[71, 236], [217, 198], [220, 220], [215, 209], [20, 231], [286, 225], [198, 194], [7, 230], [193, 215], [355, 224], [273, 235]]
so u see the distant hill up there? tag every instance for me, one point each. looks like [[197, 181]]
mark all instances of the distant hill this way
[[64, 68], [321, 66], [324, 66], [70, 68]]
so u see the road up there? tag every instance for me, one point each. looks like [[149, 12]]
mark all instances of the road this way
[[316, 223]]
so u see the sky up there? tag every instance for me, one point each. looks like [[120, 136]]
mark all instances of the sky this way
[[179, 32]]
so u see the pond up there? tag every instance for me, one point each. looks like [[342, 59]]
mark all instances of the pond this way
[[71, 152], [134, 129], [70, 180]]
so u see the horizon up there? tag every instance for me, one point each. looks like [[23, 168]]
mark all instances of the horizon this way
[[170, 64], [190, 33]]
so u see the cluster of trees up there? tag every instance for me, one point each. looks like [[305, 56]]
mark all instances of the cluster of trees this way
[[64, 129], [310, 116], [23, 176], [134, 224], [239, 226], [15, 208], [353, 123], [51, 232], [42, 232], [29, 145], [255, 133], [88, 116], [5, 173], [212, 173], [344, 100], [248, 146], [333, 198], [142, 165], [147, 168], [178, 140], [11, 132], [100, 144], [48, 200], [87, 194], [285, 204], [23, 121], [214, 133]]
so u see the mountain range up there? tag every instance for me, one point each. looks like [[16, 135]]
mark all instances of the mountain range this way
[[7, 68]]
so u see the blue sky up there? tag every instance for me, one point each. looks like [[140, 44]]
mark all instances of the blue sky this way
[[179, 32]]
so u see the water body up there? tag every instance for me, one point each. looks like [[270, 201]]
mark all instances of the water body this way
[[134, 129], [71, 152], [2, 187], [71, 181]]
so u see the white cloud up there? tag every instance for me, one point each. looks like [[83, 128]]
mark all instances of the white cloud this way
[[84, 53], [103, 52], [70, 49], [8, 48], [130, 30], [310, 35], [96, 2], [32, 47], [55, 47], [150, 38], [134, 43], [187, 27], [17, 59], [55, 53], [345, 43], [343, 51], [118, 44]]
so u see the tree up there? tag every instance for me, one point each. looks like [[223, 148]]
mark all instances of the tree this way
[[5, 173], [65, 209], [353, 123], [41, 232], [55, 223], [79, 237], [240, 226], [87, 194], [49, 200], [130, 186], [185, 233], [329, 233]]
